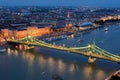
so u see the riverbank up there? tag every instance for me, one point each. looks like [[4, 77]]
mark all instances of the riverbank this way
[[114, 76], [68, 33]]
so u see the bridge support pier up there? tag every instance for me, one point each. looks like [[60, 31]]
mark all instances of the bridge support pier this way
[[91, 60]]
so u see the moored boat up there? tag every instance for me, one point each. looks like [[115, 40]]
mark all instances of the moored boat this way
[[2, 50]]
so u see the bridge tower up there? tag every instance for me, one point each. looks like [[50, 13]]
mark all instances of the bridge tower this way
[[91, 48]]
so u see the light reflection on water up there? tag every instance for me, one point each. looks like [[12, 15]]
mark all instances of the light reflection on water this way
[[48, 66]]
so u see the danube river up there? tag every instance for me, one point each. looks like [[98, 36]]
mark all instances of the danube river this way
[[50, 64]]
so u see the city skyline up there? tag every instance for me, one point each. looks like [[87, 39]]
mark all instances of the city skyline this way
[[76, 3]]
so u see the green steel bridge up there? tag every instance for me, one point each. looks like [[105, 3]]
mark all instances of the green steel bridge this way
[[92, 51]]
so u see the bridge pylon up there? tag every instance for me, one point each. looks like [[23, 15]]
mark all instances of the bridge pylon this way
[[91, 59]]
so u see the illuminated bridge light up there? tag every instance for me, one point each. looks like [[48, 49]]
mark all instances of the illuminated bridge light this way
[[89, 45], [29, 36]]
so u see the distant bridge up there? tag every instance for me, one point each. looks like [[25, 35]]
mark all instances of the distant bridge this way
[[92, 51]]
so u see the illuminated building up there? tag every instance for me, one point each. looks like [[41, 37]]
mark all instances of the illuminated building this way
[[31, 30], [68, 15]]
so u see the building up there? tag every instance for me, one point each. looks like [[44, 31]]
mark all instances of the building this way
[[31, 30]]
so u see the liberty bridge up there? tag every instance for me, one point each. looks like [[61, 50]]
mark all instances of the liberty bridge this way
[[92, 51]]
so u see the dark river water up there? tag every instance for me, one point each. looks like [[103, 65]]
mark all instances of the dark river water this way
[[50, 64]]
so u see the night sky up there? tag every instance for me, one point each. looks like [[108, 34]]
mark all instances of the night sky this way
[[83, 3]]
